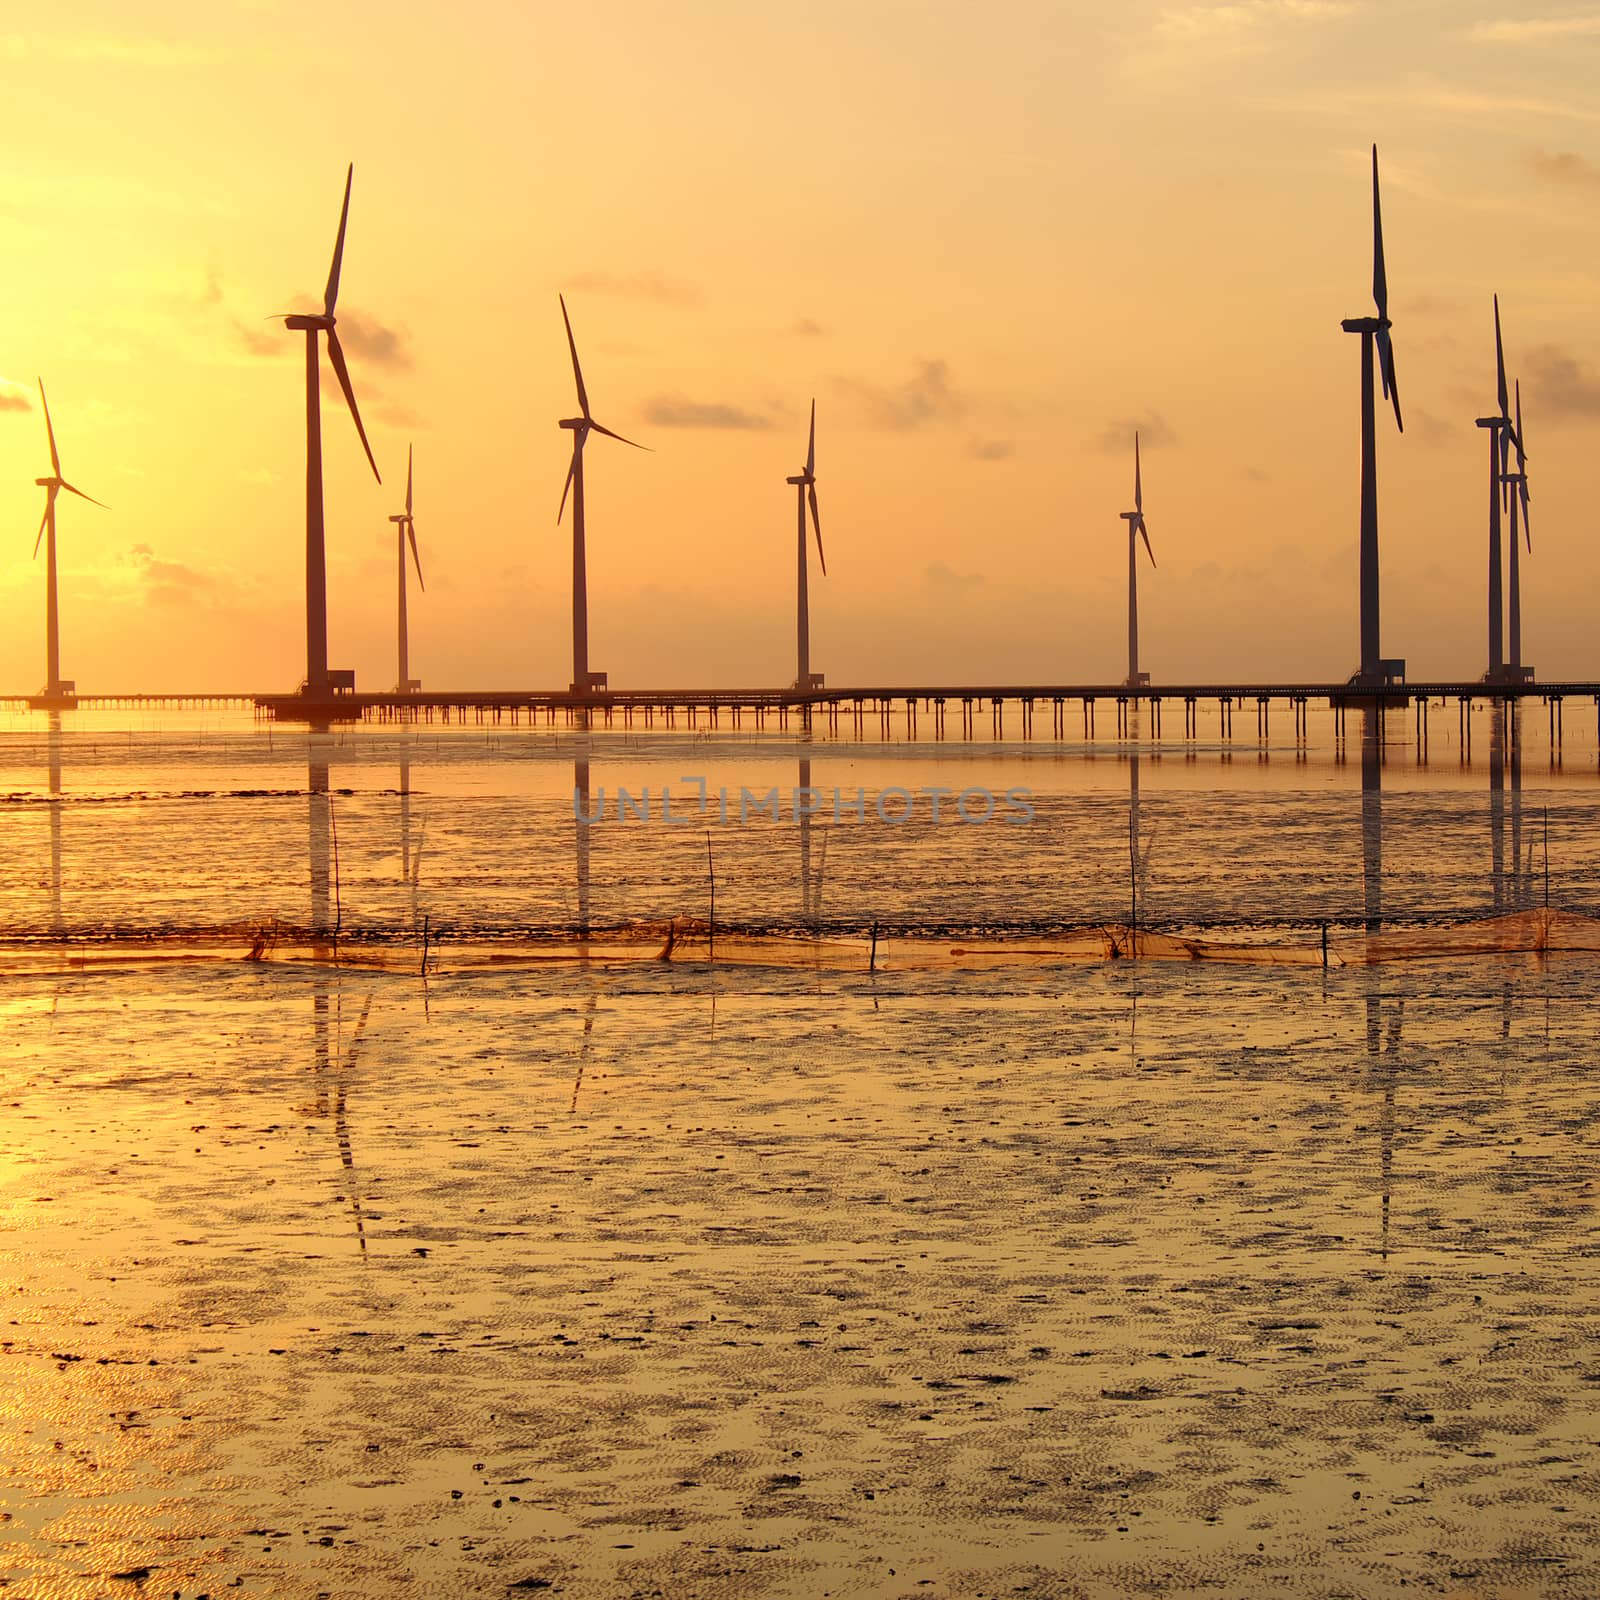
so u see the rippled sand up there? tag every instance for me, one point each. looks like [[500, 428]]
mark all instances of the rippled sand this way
[[1095, 1282]]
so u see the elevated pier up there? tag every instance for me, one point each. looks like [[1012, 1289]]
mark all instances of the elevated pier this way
[[1045, 711]]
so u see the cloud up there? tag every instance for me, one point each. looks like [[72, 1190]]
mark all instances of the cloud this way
[[264, 339], [647, 285], [257, 476], [1428, 429], [1563, 166], [806, 328], [120, 50], [677, 411], [1534, 30], [374, 342], [1562, 386], [925, 397], [945, 580], [1190, 24], [168, 582], [15, 396], [1155, 433], [990, 449]]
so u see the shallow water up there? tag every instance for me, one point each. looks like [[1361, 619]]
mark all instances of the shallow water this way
[[677, 1280], [1120, 1280], [197, 823]]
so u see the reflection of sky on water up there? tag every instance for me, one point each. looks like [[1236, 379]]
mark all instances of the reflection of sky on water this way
[[196, 827]]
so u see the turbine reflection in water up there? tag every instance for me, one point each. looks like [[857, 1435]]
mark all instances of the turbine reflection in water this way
[[53, 746]]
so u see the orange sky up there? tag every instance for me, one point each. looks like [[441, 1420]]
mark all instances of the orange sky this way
[[987, 243]]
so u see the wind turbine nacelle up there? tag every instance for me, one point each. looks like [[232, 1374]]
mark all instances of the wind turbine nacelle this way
[[305, 322]]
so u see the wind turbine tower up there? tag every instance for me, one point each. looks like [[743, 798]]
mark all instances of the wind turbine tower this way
[[406, 531], [1374, 331], [1518, 484], [583, 680], [58, 691], [805, 486], [1136, 531], [1501, 436], [319, 683]]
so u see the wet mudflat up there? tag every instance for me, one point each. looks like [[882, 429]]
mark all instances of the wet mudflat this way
[[1140, 1279]]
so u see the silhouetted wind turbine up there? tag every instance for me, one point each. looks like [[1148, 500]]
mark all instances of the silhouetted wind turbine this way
[[1517, 482], [582, 679], [805, 485], [1373, 330], [54, 687], [1499, 430], [317, 683], [1136, 531], [406, 531]]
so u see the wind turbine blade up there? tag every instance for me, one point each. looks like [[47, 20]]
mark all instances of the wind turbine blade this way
[[577, 371], [331, 293], [816, 523], [618, 437], [1522, 470], [1380, 280], [408, 480], [416, 560], [1391, 384], [1138, 481], [55, 460], [42, 521], [1500, 365], [1144, 533], [572, 469], [336, 356], [811, 443], [82, 496]]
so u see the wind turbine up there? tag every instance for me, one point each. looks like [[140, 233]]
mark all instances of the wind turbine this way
[[805, 485], [405, 530], [583, 681], [1373, 330], [55, 687], [1518, 483], [1499, 429], [318, 685], [1136, 531]]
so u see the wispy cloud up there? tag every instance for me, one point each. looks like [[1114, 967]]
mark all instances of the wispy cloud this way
[[15, 396], [1155, 433], [1535, 30], [263, 338], [646, 285], [1240, 18], [1563, 166], [678, 411], [257, 477], [1430, 430], [1560, 385], [990, 449], [924, 397], [119, 49], [941, 579], [807, 328], [168, 582], [375, 342]]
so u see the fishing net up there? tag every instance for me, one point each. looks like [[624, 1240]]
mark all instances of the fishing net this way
[[692, 941]]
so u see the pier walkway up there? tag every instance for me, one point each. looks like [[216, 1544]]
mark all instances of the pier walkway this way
[[1044, 711], [1051, 711]]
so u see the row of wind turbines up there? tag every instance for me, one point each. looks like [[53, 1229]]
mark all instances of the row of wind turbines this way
[[1508, 488]]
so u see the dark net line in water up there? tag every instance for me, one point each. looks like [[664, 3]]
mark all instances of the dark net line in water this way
[[444, 950]]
